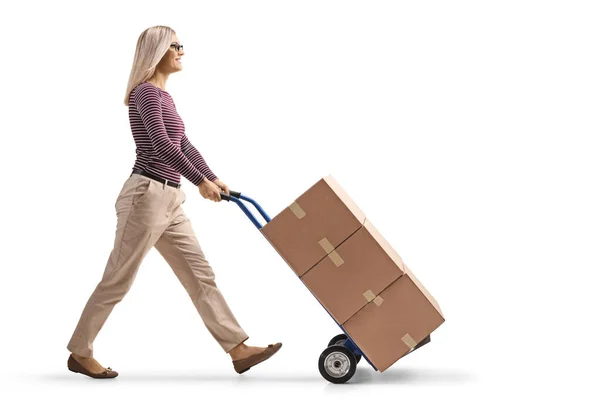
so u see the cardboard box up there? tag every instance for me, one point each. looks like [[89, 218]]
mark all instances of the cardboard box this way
[[385, 331], [355, 273], [313, 225]]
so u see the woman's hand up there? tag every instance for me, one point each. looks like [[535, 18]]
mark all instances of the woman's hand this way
[[222, 186], [209, 190]]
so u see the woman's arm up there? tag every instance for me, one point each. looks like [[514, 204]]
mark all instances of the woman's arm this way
[[196, 158], [147, 102]]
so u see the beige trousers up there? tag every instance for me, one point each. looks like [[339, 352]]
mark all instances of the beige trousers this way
[[149, 213]]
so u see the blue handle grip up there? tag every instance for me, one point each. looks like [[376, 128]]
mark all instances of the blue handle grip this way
[[236, 196]]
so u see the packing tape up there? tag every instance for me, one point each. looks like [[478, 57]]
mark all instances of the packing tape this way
[[326, 245], [369, 295], [378, 300], [336, 258], [297, 210], [409, 341]]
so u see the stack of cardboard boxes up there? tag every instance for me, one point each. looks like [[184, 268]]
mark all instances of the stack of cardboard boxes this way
[[354, 272]]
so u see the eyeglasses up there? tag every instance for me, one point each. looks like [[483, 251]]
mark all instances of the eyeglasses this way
[[177, 46]]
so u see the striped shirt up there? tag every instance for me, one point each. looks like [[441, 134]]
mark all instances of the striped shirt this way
[[162, 148]]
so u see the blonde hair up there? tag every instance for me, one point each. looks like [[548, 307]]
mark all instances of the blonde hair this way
[[152, 45]]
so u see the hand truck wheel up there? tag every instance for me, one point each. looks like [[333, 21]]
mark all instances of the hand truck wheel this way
[[337, 364]]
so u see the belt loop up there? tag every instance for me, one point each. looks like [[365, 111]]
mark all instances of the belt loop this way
[[164, 184]]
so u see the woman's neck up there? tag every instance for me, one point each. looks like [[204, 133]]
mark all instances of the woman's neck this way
[[159, 80]]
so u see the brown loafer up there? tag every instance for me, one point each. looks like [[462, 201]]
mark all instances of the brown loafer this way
[[245, 364], [78, 368]]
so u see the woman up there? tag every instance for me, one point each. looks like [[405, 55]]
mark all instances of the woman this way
[[149, 213]]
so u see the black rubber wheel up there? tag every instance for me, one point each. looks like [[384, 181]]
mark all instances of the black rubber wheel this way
[[337, 364], [339, 340]]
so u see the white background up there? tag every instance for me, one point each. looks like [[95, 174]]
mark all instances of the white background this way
[[465, 130]]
